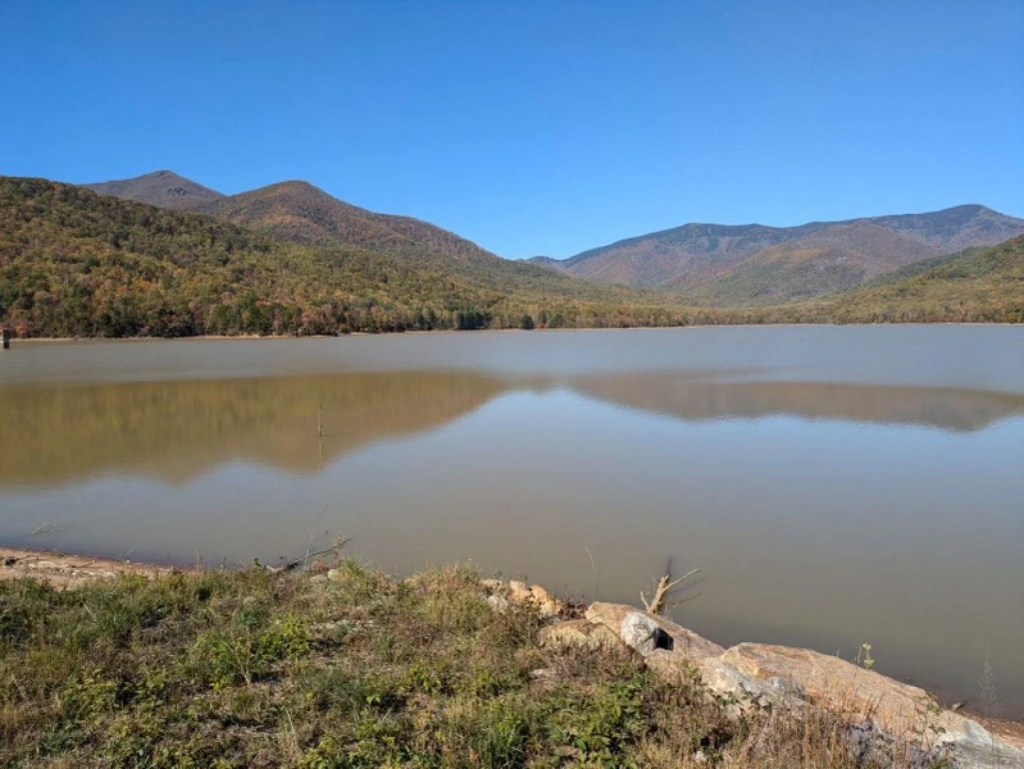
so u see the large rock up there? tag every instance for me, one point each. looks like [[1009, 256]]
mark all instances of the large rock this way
[[641, 632], [521, 594], [780, 676], [668, 648], [547, 605], [741, 694], [763, 677], [880, 712]]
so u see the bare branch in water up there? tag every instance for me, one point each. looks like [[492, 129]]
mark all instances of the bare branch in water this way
[[304, 560], [659, 604]]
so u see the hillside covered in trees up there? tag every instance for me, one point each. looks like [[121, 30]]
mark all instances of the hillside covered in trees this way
[[981, 285], [75, 263]]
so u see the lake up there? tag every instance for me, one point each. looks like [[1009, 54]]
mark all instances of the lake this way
[[836, 485]]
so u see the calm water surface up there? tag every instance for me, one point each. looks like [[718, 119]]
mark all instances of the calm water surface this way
[[837, 485]]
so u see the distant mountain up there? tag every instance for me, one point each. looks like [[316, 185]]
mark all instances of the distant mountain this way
[[749, 265], [819, 263], [652, 260], [298, 212], [955, 229], [545, 261], [164, 189]]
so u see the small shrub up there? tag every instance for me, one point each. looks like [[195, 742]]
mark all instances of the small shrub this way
[[88, 696], [244, 654], [501, 738]]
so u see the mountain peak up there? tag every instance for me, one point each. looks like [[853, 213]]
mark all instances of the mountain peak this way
[[163, 188], [298, 185], [300, 212]]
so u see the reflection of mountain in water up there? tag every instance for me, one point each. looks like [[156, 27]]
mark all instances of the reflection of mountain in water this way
[[180, 429], [176, 430], [680, 396]]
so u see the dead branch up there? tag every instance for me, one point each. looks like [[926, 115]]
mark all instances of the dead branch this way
[[304, 560], [662, 590]]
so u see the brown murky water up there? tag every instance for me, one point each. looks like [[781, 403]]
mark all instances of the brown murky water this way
[[837, 485]]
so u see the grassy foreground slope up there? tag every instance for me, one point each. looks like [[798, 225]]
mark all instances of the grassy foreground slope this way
[[75, 263], [250, 669]]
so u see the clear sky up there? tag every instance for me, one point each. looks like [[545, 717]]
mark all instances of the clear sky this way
[[532, 127]]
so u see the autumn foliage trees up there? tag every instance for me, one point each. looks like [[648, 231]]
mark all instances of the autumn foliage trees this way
[[77, 264], [74, 263]]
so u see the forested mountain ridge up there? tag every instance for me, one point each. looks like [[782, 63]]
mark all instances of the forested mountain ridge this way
[[75, 263], [749, 265], [819, 263], [298, 212], [979, 285], [976, 286]]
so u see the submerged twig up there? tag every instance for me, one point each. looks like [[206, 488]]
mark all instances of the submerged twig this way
[[593, 566], [304, 560], [47, 528]]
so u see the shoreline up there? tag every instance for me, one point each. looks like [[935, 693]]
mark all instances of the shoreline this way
[[69, 571], [430, 332]]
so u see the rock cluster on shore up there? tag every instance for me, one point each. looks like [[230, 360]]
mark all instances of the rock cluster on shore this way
[[761, 677], [66, 571]]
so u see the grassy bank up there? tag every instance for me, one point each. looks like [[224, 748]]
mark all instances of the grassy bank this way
[[250, 669]]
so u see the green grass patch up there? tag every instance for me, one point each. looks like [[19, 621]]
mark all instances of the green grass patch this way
[[248, 669]]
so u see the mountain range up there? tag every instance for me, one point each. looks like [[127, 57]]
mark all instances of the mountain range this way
[[755, 265], [705, 265], [162, 255]]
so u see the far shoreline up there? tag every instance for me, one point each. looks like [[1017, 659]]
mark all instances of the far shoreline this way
[[432, 332]]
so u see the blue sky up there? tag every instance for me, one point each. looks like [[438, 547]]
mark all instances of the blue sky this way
[[532, 127]]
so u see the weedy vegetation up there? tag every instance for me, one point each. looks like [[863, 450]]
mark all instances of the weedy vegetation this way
[[355, 669]]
